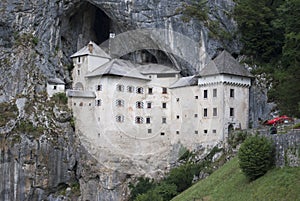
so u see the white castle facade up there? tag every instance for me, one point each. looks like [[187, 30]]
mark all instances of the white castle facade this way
[[145, 109]]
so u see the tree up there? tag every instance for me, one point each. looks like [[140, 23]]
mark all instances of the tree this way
[[256, 156]]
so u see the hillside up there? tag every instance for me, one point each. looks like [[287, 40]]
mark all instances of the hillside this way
[[228, 183]]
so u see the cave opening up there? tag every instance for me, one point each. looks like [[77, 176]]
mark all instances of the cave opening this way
[[83, 23]]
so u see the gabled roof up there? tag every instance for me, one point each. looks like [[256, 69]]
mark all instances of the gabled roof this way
[[118, 67], [185, 81], [156, 69], [96, 51], [224, 63], [81, 94], [56, 81]]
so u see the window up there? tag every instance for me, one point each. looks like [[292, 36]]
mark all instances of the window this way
[[215, 112], [81, 104], [164, 105], [120, 118], [195, 115], [196, 132], [99, 87], [150, 90], [149, 130], [164, 120], [205, 112], [54, 87], [205, 93], [98, 102], [177, 99], [148, 120], [162, 133], [130, 89], [214, 131], [78, 59], [120, 87], [149, 104], [177, 132], [205, 131], [177, 116], [231, 93], [139, 120], [78, 72], [214, 93], [139, 90], [164, 90], [231, 112], [139, 104], [120, 103], [196, 97]]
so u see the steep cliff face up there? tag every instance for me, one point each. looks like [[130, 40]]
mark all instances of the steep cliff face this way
[[41, 158]]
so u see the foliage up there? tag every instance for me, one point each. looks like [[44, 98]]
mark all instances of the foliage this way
[[270, 32], [256, 156], [229, 183], [149, 196], [236, 138], [60, 98], [143, 185], [8, 111]]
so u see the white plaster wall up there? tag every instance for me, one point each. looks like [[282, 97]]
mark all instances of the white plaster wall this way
[[94, 62], [60, 88], [224, 78]]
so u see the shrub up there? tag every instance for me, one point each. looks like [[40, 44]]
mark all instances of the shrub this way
[[60, 98], [256, 156], [143, 185]]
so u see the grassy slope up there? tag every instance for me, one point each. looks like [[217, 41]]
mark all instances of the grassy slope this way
[[228, 183]]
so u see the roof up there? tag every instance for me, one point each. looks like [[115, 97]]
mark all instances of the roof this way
[[96, 51], [81, 94], [55, 81], [118, 67], [185, 81], [156, 69], [224, 63]]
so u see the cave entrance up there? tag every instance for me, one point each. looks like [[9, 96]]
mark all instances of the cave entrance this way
[[83, 23]]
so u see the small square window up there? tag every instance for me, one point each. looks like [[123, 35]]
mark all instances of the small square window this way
[[98, 102], [177, 99], [78, 72], [120, 118], [120, 87], [164, 120], [164, 105], [177, 116], [148, 120], [139, 104], [214, 93], [99, 87], [231, 112], [231, 93], [139, 120], [205, 131], [139, 90], [150, 90], [205, 93], [149, 104], [195, 115], [177, 132], [196, 97], [164, 90], [54, 87], [149, 130], [130, 89], [162, 133], [196, 132], [214, 131], [205, 112], [215, 112]]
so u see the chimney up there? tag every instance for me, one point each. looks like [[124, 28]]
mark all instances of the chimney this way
[[91, 48]]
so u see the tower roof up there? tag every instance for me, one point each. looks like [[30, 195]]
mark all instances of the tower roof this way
[[224, 63], [118, 67], [91, 49]]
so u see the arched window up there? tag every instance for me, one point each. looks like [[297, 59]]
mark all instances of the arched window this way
[[139, 120], [139, 90], [120, 103], [119, 118], [139, 104], [79, 86], [120, 87]]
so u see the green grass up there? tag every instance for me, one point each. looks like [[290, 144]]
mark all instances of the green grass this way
[[229, 184]]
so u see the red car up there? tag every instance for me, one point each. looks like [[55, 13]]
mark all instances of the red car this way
[[278, 120]]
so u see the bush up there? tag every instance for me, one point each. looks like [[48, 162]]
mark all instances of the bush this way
[[143, 185], [256, 156]]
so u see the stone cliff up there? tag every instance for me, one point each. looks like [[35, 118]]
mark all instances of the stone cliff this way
[[41, 158]]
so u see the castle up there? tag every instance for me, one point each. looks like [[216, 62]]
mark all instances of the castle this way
[[141, 108]]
